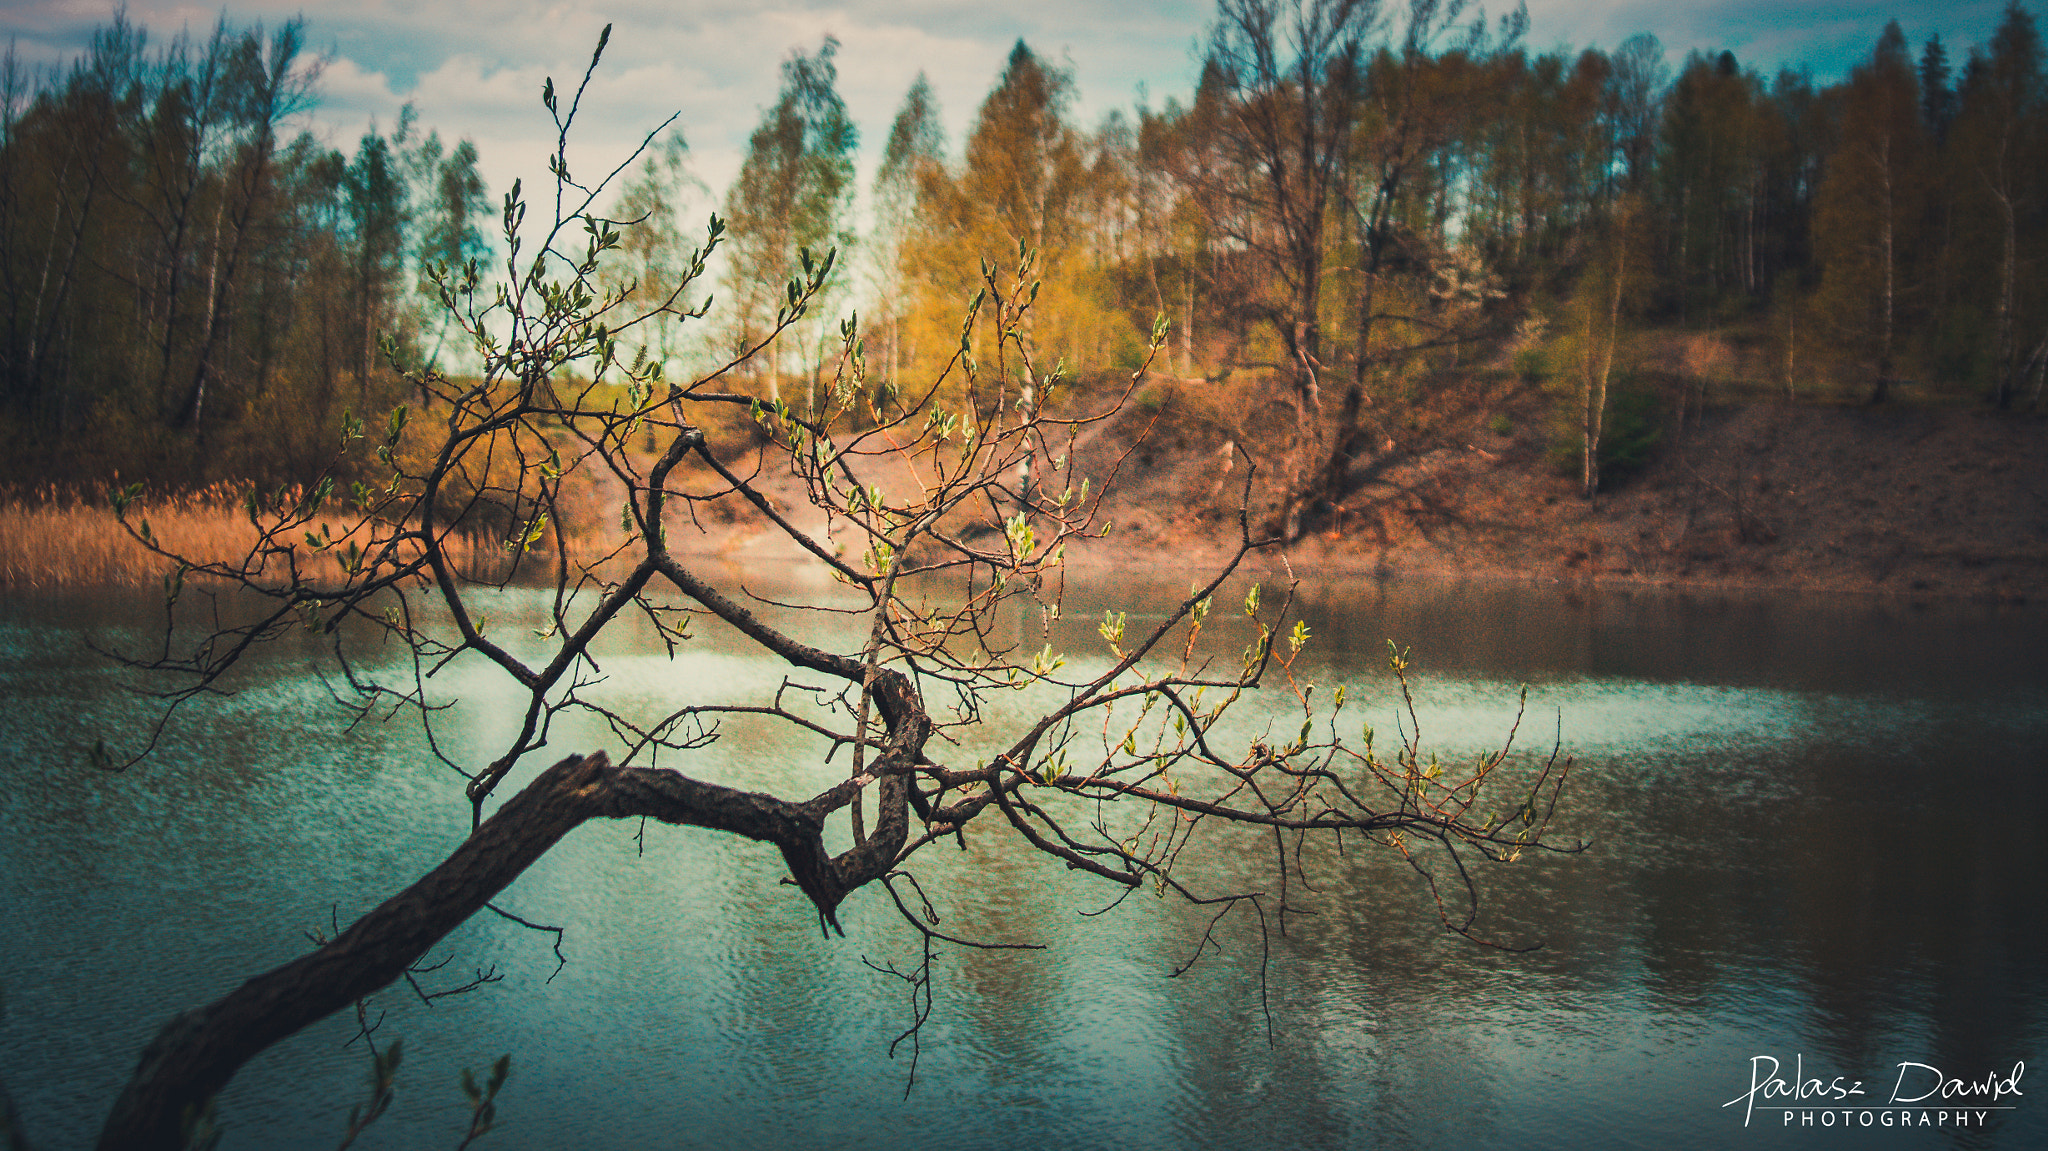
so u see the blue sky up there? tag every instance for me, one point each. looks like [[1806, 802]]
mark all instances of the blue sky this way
[[475, 67]]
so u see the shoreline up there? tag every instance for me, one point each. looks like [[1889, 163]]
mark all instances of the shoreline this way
[[1911, 505], [112, 561], [1358, 567]]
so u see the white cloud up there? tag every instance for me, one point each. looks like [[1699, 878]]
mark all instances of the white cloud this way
[[350, 95]]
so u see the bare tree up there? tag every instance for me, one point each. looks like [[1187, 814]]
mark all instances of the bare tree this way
[[1414, 106], [927, 498], [1325, 111], [266, 86], [1290, 72]]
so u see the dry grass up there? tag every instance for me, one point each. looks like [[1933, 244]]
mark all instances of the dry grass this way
[[55, 538]]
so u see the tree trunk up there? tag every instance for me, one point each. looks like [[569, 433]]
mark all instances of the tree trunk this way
[[1596, 377], [2008, 369], [198, 1052], [43, 330], [1882, 389], [253, 172], [1791, 348], [1589, 415]]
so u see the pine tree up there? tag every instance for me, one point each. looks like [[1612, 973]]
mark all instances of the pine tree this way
[[1867, 204]]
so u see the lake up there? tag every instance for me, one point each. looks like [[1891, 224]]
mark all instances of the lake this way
[[1814, 895]]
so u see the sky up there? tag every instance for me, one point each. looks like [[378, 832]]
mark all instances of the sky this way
[[475, 68]]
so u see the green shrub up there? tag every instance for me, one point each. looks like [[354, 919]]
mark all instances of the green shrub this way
[[1628, 436], [1632, 430]]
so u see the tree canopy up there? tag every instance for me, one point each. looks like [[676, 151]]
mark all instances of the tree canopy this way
[[1338, 174]]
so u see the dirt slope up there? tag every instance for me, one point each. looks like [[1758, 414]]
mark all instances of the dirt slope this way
[[1917, 502]]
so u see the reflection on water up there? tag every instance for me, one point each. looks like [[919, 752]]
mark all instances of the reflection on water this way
[[1817, 836]]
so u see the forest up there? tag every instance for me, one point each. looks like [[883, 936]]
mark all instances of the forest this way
[[1357, 217]]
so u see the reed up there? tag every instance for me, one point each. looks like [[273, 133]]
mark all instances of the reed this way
[[52, 537], [59, 537]]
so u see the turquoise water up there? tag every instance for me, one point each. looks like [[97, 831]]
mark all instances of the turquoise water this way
[[1817, 835]]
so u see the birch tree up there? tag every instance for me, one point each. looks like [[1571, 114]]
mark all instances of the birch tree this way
[[267, 87], [1999, 158], [792, 195], [914, 155]]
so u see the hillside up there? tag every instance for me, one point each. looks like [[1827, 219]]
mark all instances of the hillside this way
[[1922, 502], [1940, 502]]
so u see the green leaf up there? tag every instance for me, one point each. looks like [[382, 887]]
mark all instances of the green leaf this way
[[122, 497], [1045, 662], [1112, 630], [530, 535]]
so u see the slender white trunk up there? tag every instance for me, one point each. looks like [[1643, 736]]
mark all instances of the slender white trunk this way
[[1599, 364], [1791, 338]]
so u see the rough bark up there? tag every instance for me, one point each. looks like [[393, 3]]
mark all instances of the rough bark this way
[[198, 1052]]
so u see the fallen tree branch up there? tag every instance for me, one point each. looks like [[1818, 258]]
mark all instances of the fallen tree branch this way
[[195, 1055]]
